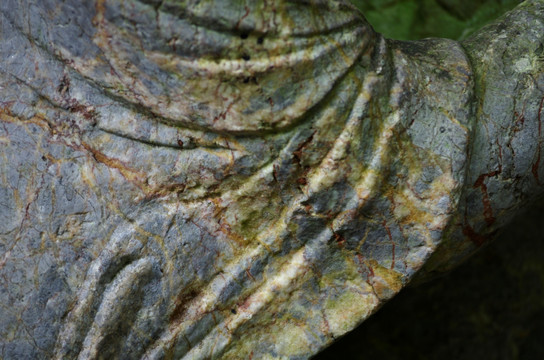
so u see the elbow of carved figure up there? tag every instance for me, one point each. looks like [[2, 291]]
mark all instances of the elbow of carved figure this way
[[505, 171]]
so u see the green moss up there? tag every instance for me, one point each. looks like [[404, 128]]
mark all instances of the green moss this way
[[416, 19]]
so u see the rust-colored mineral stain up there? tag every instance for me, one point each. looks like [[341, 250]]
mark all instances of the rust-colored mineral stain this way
[[181, 304], [488, 208], [476, 238]]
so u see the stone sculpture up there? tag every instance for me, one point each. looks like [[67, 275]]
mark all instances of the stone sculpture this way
[[229, 179]]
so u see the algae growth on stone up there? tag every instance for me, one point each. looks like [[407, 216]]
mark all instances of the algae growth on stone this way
[[230, 179]]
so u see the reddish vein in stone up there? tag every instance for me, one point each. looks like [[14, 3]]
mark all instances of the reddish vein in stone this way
[[476, 238], [480, 183]]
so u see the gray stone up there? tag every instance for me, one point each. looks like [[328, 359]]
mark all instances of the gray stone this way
[[213, 179]]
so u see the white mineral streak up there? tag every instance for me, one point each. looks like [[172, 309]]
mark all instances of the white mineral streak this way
[[194, 180], [221, 336]]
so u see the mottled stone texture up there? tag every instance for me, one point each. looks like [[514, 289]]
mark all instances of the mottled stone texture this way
[[230, 179], [490, 307]]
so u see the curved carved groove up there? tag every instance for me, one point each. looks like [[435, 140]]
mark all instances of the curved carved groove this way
[[100, 275], [121, 293], [262, 195], [120, 304]]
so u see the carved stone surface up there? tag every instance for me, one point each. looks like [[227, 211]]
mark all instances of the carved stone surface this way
[[229, 179], [489, 307]]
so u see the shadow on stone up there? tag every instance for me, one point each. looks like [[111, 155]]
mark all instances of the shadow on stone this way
[[491, 307]]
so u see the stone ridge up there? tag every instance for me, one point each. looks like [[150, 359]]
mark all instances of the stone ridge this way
[[210, 179]]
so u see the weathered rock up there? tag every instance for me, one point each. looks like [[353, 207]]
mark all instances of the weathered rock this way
[[490, 307], [217, 179]]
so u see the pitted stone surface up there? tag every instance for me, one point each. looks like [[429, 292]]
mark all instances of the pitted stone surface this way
[[226, 179]]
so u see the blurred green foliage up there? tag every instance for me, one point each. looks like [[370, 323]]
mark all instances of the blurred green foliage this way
[[417, 19]]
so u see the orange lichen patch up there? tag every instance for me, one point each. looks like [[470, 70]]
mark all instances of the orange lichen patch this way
[[409, 209], [385, 282]]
